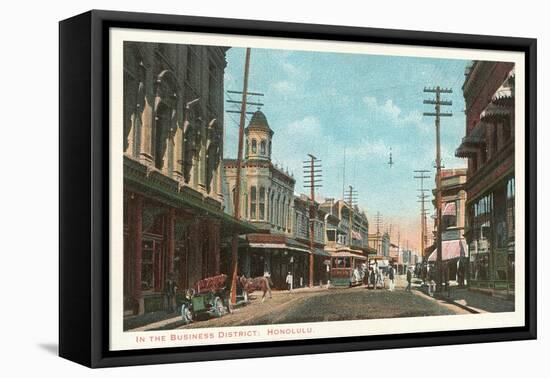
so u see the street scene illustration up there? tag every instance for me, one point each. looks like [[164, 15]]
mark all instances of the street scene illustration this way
[[266, 186]]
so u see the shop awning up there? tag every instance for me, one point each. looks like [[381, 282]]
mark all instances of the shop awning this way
[[139, 179], [472, 141], [275, 241], [321, 252], [451, 249]]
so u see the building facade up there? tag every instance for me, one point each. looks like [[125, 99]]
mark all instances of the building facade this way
[[346, 240], [174, 223], [489, 148], [281, 244], [453, 220]]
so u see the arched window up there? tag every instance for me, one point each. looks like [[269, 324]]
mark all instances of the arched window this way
[[282, 212], [271, 205], [165, 118], [262, 203], [254, 146], [233, 199], [253, 202], [289, 217], [277, 209], [269, 148], [262, 147], [246, 152]]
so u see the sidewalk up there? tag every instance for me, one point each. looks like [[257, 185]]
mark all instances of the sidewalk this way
[[162, 320], [472, 301]]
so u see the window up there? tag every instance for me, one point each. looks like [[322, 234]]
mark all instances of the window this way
[[253, 202], [482, 211], [269, 148], [331, 235], [254, 146], [271, 208], [192, 73], [262, 147], [246, 149], [277, 209], [214, 86], [262, 203], [283, 213], [246, 205], [147, 265]]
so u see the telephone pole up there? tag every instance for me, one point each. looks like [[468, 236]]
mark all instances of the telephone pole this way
[[378, 222], [312, 179], [237, 198], [351, 199], [438, 102], [422, 176]]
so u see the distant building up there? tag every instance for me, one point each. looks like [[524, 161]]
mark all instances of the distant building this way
[[489, 146], [381, 243], [346, 242]]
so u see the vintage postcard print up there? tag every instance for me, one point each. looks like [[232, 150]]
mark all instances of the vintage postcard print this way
[[268, 189]]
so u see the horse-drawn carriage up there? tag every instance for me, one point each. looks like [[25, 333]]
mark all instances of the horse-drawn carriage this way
[[211, 297]]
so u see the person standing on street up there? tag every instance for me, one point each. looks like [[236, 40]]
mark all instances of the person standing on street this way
[[288, 281], [170, 289], [409, 279], [391, 277]]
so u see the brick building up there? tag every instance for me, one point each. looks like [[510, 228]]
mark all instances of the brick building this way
[[489, 147], [174, 223]]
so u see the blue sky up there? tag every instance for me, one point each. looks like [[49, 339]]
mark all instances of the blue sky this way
[[324, 103]]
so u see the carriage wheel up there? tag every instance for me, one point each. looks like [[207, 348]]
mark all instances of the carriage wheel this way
[[219, 308], [186, 314]]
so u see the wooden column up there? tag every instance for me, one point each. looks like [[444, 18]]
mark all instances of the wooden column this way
[[136, 227], [215, 247], [170, 242]]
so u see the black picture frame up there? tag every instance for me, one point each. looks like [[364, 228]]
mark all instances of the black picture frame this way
[[84, 185]]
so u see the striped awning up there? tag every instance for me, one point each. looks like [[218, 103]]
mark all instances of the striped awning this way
[[451, 250]]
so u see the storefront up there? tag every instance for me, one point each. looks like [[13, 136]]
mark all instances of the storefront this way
[[491, 237], [276, 255], [452, 257], [168, 234]]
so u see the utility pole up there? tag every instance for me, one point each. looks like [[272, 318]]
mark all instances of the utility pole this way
[[351, 199], [344, 175], [422, 176], [237, 198], [438, 102], [398, 247], [378, 222], [312, 180]]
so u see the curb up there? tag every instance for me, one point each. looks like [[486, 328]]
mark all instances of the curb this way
[[450, 301]]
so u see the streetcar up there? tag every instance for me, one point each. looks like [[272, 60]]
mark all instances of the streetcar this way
[[347, 268]]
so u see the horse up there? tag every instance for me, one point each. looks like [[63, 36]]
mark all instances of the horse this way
[[258, 283]]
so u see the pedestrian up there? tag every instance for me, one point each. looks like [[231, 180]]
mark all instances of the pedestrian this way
[[289, 281], [409, 279], [170, 289], [391, 277]]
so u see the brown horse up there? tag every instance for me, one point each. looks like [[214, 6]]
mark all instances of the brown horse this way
[[258, 283]]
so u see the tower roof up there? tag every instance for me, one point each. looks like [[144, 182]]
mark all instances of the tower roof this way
[[259, 121]]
